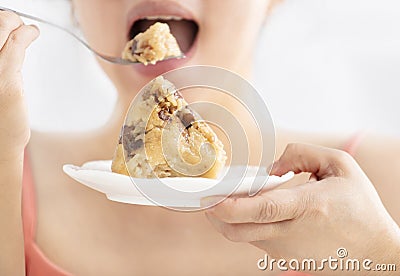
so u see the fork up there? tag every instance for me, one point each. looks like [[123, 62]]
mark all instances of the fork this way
[[115, 60]]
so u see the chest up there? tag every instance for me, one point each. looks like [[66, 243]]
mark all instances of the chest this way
[[86, 234]]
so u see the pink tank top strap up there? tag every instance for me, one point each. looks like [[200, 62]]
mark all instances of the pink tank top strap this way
[[351, 146]]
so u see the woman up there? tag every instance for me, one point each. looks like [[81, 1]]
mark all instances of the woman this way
[[70, 229]]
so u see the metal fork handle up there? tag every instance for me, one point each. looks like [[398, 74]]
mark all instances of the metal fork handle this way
[[117, 60]]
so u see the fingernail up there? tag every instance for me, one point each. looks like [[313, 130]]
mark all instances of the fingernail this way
[[210, 201], [34, 26]]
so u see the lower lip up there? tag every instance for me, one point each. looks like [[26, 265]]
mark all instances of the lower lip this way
[[165, 66]]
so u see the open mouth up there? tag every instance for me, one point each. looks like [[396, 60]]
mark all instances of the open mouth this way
[[184, 30]]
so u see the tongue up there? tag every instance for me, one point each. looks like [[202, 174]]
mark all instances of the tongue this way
[[185, 31]]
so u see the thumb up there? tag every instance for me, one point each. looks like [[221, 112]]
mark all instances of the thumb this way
[[272, 206]]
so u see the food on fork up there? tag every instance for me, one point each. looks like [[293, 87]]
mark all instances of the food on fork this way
[[164, 137], [155, 44]]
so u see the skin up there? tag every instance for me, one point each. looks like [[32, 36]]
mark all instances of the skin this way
[[337, 208], [78, 228], [14, 39]]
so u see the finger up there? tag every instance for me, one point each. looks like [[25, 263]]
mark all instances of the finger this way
[[320, 161], [246, 232], [9, 21], [272, 206], [13, 53]]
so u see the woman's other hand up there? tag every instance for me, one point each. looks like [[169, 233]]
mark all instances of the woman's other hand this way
[[337, 208]]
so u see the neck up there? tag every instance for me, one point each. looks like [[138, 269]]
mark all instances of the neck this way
[[101, 143], [116, 120]]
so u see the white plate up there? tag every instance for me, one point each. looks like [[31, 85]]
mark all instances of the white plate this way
[[185, 192]]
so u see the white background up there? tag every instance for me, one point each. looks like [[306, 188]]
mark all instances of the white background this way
[[339, 58]]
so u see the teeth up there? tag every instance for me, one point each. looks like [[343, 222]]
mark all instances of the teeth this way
[[163, 17]]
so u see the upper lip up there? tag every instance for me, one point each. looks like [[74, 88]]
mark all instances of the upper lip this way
[[157, 8]]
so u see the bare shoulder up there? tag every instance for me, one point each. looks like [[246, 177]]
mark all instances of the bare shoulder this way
[[379, 152], [331, 140], [379, 157]]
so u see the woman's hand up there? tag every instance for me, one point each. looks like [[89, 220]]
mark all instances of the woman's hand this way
[[15, 37], [337, 208]]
